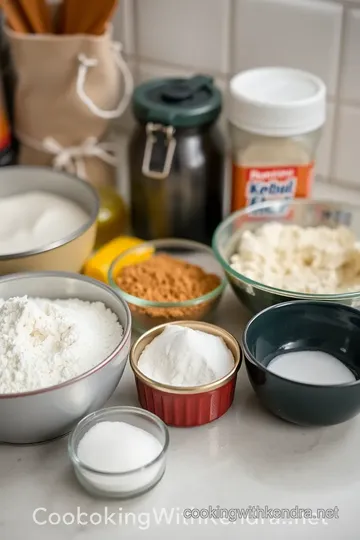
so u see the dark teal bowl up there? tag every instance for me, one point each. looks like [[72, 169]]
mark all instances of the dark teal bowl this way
[[299, 326]]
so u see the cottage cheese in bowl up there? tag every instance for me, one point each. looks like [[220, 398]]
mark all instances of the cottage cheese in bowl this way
[[313, 260]]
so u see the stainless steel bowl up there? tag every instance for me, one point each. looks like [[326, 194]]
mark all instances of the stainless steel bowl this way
[[51, 412], [257, 296]]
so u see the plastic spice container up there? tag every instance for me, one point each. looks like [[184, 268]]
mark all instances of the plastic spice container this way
[[276, 117], [177, 159]]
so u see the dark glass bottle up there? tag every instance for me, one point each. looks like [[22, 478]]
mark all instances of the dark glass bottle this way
[[177, 160]]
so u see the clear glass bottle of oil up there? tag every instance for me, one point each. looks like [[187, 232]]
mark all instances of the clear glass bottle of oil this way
[[112, 218]]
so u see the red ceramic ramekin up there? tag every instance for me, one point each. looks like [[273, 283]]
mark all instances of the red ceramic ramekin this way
[[183, 406]]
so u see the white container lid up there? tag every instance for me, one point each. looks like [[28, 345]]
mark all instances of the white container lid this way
[[278, 102]]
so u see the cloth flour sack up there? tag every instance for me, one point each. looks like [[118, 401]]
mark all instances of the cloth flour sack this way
[[68, 89]]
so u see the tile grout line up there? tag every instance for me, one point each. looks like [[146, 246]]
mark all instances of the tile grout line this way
[[135, 26], [344, 184], [231, 39], [181, 67], [348, 3], [336, 183], [135, 29], [333, 154]]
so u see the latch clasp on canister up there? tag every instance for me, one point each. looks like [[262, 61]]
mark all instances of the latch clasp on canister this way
[[170, 142]]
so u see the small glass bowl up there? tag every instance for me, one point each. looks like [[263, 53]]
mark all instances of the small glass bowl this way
[[147, 314], [124, 485]]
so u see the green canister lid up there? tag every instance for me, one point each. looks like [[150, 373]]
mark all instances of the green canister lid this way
[[176, 102]]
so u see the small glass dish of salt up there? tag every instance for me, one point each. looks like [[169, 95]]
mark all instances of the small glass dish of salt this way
[[119, 452]]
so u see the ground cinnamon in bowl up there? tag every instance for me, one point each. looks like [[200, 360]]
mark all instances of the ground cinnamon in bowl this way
[[163, 278]]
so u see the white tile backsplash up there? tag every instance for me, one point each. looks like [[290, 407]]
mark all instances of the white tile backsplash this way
[[347, 146], [192, 33], [303, 34], [350, 74], [220, 37], [127, 119], [323, 160], [148, 70], [124, 26]]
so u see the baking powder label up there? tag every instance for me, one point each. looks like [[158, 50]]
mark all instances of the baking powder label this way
[[251, 185]]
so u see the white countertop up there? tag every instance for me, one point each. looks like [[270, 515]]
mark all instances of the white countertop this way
[[247, 457]]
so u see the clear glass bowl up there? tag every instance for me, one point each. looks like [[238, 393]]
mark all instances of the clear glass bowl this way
[[145, 313], [122, 485], [257, 296]]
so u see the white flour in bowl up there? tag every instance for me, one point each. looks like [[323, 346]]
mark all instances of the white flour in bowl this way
[[181, 356], [47, 342], [36, 219]]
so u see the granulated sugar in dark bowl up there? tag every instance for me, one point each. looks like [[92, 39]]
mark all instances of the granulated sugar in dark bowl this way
[[168, 280], [183, 406]]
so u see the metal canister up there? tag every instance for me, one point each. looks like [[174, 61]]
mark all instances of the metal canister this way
[[177, 159]]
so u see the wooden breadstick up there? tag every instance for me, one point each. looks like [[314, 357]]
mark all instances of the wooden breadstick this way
[[38, 15], [55, 7], [99, 26], [15, 16], [86, 16], [70, 20]]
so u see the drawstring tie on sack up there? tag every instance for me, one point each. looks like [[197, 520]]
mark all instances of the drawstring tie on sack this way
[[86, 63], [71, 158]]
